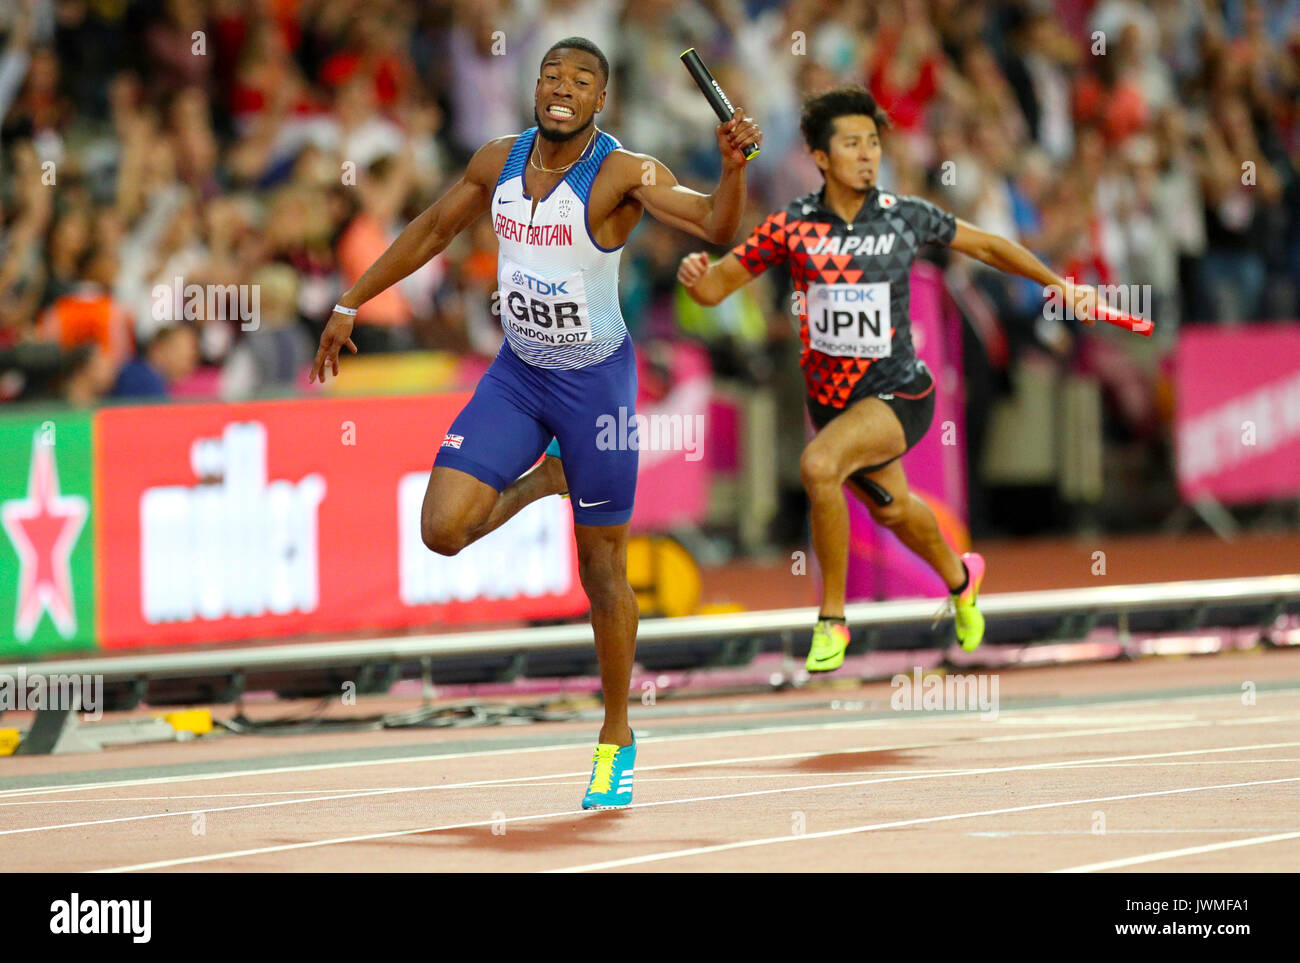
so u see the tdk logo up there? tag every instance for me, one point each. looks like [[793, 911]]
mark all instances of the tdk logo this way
[[539, 285], [846, 295]]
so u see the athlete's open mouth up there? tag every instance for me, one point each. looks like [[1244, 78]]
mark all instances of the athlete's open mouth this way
[[560, 112]]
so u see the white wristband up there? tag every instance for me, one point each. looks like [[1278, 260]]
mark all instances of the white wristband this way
[[350, 312]]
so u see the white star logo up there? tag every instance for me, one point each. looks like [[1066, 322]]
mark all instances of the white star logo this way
[[43, 528]]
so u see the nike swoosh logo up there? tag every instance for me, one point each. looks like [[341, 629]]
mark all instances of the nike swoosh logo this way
[[582, 504], [503, 201]]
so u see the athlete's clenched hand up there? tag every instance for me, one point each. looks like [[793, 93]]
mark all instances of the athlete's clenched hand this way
[[735, 135], [1082, 300], [693, 268], [337, 333]]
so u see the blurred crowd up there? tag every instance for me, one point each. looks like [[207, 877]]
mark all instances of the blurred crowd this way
[[278, 146]]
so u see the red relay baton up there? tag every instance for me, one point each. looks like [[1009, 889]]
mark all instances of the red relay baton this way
[[1140, 326]]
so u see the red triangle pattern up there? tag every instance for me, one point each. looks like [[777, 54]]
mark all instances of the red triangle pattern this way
[[830, 380], [782, 239]]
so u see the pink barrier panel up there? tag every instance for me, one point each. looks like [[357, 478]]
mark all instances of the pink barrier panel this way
[[1237, 412], [880, 566], [673, 435]]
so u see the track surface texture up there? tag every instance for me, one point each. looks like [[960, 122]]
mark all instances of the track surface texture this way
[[1163, 765]]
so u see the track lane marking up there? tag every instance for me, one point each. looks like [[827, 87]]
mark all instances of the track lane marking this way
[[1175, 853], [519, 783], [920, 718], [141, 817], [666, 802], [901, 823]]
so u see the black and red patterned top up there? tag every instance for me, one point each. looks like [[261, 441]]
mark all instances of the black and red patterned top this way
[[853, 285]]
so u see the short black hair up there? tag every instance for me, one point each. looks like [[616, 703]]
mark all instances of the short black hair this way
[[579, 43], [818, 119]]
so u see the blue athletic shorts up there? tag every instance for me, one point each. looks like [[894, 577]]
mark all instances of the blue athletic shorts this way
[[517, 409]]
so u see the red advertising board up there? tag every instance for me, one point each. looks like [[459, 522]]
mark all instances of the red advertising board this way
[[1238, 412], [224, 522]]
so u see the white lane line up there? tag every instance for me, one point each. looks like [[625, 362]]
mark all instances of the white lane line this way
[[203, 795], [919, 718], [522, 782], [433, 759], [141, 817], [1175, 853], [733, 777], [665, 802], [995, 833], [1187, 762], [517, 782], [269, 805], [1018, 737], [525, 782], [861, 724], [900, 823]]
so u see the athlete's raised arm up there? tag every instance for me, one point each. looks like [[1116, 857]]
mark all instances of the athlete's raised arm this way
[[423, 238], [1006, 255], [711, 283], [713, 217]]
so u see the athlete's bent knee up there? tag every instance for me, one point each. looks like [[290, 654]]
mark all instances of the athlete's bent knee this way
[[818, 469], [443, 536]]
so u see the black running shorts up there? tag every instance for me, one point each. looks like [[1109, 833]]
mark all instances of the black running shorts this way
[[911, 402]]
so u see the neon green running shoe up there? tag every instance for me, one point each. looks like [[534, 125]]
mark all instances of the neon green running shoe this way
[[969, 619], [829, 641]]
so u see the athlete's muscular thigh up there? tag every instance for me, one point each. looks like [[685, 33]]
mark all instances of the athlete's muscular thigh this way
[[866, 434], [455, 505]]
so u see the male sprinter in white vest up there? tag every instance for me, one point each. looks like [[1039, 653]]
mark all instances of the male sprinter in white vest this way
[[849, 248], [563, 197]]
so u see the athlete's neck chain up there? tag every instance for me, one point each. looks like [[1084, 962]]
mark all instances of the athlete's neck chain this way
[[560, 170]]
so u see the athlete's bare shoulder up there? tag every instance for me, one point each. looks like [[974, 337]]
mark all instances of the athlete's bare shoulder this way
[[624, 173], [623, 156], [628, 167], [489, 160]]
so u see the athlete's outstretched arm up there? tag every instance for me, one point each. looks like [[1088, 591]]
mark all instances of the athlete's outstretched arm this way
[[1006, 255], [710, 284], [422, 239], [713, 217]]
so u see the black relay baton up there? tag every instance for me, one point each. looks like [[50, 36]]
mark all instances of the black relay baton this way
[[713, 93]]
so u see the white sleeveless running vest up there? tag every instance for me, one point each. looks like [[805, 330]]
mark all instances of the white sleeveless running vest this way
[[557, 288]]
